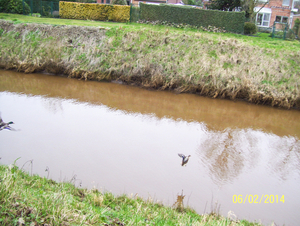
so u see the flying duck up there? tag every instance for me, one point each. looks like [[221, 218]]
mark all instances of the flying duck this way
[[5, 125], [185, 159]]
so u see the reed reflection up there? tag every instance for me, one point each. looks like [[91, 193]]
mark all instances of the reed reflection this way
[[285, 161], [216, 114]]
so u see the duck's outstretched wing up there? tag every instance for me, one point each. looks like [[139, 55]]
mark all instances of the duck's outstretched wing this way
[[181, 156], [11, 129]]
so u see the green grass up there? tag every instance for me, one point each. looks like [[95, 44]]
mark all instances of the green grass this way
[[262, 39], [30, 19], [34, 200], [258, 69]]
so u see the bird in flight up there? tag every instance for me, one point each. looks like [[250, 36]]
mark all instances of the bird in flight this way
[[5, 125], [185, 159]]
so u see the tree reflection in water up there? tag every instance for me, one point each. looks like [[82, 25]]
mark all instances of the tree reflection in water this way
[[226, 154]]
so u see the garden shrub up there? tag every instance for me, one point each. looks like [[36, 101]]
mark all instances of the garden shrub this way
[[119, 13], [290, 35], [102, 12], [250, 28], [230, 21], [119, 2], [14, 6], [296, 27]]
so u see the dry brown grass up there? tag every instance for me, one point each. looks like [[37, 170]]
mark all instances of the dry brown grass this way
[[186, 62]]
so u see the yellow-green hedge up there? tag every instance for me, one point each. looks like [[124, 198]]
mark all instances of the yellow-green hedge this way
[[120, 13], [103, 12]]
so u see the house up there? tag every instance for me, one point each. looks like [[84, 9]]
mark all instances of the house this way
[[282, 11]]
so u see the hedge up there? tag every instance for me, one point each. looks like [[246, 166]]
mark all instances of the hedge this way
[[230, 21], [90, 11], [134, 13]]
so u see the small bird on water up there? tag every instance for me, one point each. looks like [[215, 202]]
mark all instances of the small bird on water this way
[[5, 125], [185, 159]]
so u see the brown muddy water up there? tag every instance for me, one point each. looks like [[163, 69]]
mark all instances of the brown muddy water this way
[[125, 139]]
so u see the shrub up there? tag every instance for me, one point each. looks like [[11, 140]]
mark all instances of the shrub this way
[[119, 2], [296, 27], [14, 6], [290, 35], [102, 12], [230, 21], [250, 28], [119, 13]]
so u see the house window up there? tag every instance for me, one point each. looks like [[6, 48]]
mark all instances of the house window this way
[[107, 1], [286, 2], [282, 19], [263, 19], [102, 1]]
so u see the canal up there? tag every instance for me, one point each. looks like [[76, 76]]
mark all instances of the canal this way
[[245, 159]]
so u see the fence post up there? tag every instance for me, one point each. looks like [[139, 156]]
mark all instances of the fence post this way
[[130, 20], [41, 8], [31, 7], [51, 6], [273, 32], [23, 7], [285, 30]]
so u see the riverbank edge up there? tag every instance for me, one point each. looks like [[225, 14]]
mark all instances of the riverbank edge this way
[[28, 199], [148, 76]]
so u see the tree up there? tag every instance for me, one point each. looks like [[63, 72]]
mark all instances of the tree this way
[[244, 5], [249, 5], [225, 5], [189, 2]]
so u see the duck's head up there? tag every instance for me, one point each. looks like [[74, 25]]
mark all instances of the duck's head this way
[[11, 123]]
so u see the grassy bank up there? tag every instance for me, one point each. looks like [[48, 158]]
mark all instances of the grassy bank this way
[[258, 70], [32, 200]]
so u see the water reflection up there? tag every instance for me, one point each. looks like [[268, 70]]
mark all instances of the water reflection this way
[[126, 140], [227, 154], [217, 114]]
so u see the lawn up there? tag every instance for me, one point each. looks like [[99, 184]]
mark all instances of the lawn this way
[[261, 39]]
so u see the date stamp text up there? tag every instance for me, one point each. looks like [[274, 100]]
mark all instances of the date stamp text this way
[[258, 199]]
